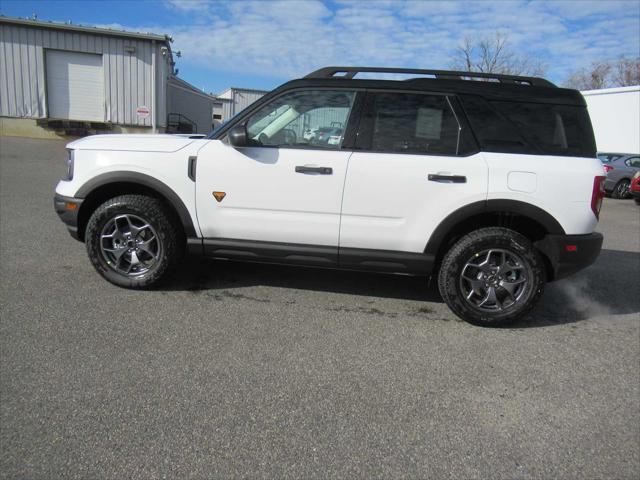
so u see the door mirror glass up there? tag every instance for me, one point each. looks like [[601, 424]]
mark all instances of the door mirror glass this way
[[238, 136]]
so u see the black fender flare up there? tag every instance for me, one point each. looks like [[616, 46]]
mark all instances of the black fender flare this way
[[491, 206], [147, 181]]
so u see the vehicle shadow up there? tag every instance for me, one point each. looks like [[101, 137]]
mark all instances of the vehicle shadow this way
[[207, 274], [609, 287]]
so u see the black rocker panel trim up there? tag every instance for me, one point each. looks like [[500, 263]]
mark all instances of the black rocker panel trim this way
[[386, 261], [491, 206], [272, 252], [315, 255], [139, 178]]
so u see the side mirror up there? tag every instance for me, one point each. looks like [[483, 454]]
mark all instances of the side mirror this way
[[238, 136]]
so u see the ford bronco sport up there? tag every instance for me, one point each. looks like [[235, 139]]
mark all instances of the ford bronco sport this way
[[490, 183]]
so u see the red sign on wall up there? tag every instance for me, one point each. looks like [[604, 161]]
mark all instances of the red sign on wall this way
[[143, 112]]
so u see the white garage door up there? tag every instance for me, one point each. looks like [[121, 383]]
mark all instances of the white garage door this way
[[75, 86]]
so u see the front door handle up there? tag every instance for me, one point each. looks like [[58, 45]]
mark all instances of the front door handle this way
[[314, 170], [435, 177]]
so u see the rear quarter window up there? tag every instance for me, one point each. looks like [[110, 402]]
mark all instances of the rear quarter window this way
[[532, 128], [552, 129]]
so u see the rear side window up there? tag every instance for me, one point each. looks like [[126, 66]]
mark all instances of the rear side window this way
[[633, 162], [409, 123], [533, 128], [553, 129]]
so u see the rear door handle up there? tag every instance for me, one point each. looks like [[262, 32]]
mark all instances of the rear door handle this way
[[314, 170], [435, 177]]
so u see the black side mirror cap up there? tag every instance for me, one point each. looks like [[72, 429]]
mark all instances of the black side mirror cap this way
[[238, 136]]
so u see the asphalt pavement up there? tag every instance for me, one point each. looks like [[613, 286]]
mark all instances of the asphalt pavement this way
[[239, 370]]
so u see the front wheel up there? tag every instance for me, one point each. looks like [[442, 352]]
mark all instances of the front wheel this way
[[491, 277], [621, 190], [133, 242]]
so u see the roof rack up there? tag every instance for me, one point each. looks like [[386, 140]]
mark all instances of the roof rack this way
[[350, 72]]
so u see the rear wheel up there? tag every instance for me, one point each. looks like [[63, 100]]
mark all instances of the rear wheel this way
[[621, 190], [491, 277], [133, 241]]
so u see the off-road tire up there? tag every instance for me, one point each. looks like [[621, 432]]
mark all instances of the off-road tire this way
[[171, 243], [502, 239]]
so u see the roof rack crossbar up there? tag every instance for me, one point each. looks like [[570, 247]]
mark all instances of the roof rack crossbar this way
[[351, 72]]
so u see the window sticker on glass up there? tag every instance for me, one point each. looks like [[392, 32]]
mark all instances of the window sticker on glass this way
[[429, 123]]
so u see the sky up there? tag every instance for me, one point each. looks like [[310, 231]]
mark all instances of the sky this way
[[261, 44]]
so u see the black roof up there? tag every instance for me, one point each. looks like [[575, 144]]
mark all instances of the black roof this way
[[351, 72], [503, 87]]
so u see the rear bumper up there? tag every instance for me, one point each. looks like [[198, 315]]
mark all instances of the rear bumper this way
[[67, 209], [570, 253]]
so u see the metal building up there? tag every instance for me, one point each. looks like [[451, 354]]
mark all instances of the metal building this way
[[234, 100], [63, 78]]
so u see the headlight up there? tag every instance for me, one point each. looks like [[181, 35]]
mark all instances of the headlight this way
[[70, 161]]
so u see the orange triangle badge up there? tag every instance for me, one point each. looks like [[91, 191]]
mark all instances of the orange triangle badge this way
[[219, 195]]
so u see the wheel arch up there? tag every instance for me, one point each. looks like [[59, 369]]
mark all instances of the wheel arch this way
[[527, 219], [108, 185]]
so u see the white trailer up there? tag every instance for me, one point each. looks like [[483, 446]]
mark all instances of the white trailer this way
[[615, 116]]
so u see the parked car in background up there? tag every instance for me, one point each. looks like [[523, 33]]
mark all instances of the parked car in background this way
[[610, 157], [619, 174], [310, 133], [634, 188], [323, 135]]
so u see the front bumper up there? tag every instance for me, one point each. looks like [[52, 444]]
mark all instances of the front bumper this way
[[67, 209], [570, 253]]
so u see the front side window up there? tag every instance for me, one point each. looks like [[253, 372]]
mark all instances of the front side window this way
[[314, 118], [411, 123]]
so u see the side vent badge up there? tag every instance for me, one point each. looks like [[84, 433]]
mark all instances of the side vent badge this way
[[219, 196]]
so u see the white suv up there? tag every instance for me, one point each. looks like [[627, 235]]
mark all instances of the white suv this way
[[490, 182]]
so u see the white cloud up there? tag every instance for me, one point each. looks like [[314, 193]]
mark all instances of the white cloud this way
[[188, 5], [289, 38]]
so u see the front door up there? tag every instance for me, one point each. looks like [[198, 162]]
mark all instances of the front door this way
[[286, 187]]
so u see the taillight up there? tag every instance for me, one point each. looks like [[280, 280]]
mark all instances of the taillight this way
[[597, 195], [607, 168]]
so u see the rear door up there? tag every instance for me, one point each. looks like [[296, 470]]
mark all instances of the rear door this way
[[413, 165], [284, 188]]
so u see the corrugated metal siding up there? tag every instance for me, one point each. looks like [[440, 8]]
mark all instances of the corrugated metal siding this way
[[195, 106], [240, 99], [127, 76]]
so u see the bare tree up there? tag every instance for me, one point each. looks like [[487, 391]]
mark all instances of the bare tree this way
[[494, 55], [605, 74], [627, 72], [592, 78]]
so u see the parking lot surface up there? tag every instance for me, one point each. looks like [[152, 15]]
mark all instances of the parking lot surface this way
[[240, 370]]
